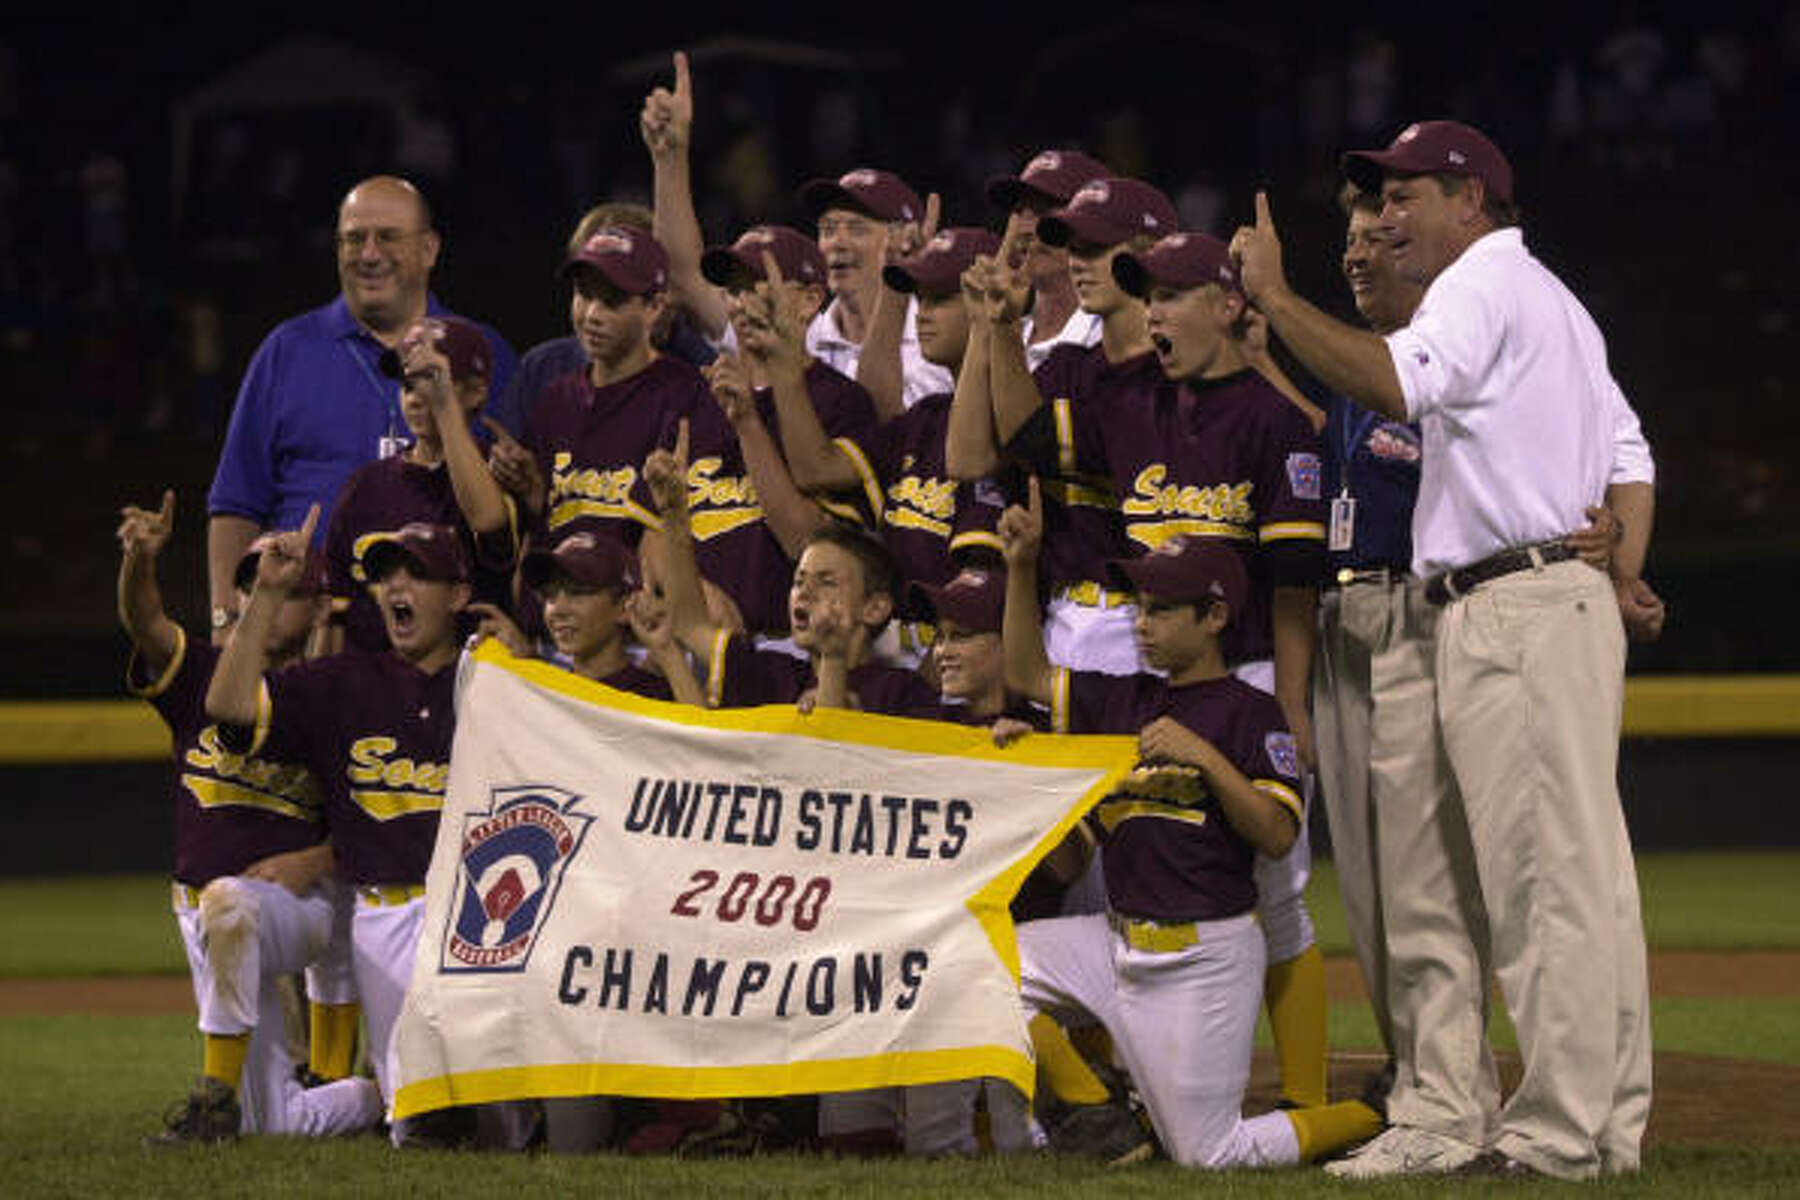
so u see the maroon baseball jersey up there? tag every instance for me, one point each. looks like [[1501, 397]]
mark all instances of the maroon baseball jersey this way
[[733, 547], [591, 444], [376, 731], [1081, 514], [926, 517], [639, 682], [382, 496], [1169, 852], [743, 676], [230, 809]]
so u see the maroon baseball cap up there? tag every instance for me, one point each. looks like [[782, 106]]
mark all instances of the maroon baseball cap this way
[[630, 259], [882, 194], [596, 560], [1182, 260], [1186, 569], [1105, 212], [460, 341], [974, 599], [1430, 148], [429, 551], [741, 263], [312, 571], [1051, 177], [936, 270]]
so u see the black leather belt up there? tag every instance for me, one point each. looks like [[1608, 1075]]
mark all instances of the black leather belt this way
[[1442, 588]]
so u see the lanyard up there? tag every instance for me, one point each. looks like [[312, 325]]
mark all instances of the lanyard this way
[[1355, 430], [389, 405]]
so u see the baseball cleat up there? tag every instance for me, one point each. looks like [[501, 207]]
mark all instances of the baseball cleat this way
[[1110, 1132], [1404, 1151], [208, 1117]]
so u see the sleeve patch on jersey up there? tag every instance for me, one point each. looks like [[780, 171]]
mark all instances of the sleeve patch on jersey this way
[[1283, 753], [1303, 475]]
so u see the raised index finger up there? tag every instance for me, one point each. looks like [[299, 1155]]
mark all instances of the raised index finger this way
[[683, 82], [681, 443], [307, 526], [501, 433], [772, 270], [1034, 497], [934, 207], [1263, 220], [167, 515]]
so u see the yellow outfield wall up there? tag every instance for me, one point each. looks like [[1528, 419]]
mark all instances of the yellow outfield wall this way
[[1667, 706]]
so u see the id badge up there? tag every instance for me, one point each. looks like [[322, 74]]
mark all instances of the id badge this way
[[1343, 523], [388, 447]]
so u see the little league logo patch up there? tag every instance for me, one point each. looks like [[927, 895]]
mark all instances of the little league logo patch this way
[[1303, 475], [1283, 753], [511, 865]]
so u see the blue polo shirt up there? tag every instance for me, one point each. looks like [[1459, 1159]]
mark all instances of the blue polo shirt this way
[[312, 408], [1376, 462]]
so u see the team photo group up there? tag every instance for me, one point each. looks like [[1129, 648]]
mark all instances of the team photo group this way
[[659, 742]]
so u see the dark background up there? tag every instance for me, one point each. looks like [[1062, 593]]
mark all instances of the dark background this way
[[168, 185]]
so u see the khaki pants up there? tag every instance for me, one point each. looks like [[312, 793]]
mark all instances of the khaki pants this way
[[1530, 676], [1401, 845]]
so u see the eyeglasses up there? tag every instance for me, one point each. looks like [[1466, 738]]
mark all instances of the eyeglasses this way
[[386, 239]]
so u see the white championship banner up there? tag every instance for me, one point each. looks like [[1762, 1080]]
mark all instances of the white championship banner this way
[[636, 898]]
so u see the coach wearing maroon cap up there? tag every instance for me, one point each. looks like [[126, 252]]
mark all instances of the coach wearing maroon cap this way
[[866, 218], [1524, 431]]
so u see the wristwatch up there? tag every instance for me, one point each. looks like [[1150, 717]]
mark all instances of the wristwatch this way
[[222, 618]]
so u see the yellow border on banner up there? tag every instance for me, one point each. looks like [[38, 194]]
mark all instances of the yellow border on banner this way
[[1096, 752], [714, 1083], [1112, 755]]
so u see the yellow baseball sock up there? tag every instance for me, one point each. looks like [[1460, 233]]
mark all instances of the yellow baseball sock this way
[[1330, 1127], [333, 1028], [223, 1057], [1069, 1077], [1295, 994]]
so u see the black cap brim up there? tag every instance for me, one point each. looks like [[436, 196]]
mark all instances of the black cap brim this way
[[723, 268], [1129, 273], [822, 195]]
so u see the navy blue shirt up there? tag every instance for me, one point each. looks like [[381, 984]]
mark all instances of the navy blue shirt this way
[[312, 408], [1377, 460]]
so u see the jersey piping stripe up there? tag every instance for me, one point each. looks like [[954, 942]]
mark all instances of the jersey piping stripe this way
[[865, 471], [1065, 433], [1083, 495], [1059, 700]]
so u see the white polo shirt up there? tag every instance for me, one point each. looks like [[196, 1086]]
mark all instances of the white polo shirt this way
[[1522, 423], [826, 342], [1081, 329]]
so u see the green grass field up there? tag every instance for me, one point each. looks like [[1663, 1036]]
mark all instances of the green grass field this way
[[83, 1090]]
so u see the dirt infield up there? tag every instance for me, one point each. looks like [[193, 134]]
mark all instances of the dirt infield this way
[[1699, 1100]]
